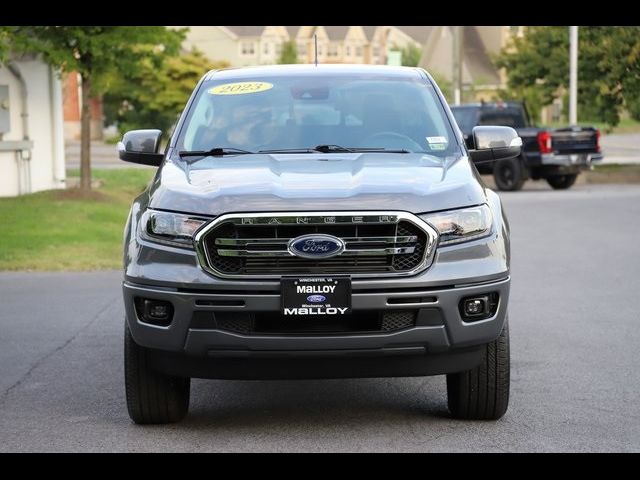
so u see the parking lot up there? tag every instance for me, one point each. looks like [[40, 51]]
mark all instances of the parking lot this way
[[574, 317]]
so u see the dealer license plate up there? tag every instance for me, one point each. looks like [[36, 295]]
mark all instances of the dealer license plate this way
[[316, 296]]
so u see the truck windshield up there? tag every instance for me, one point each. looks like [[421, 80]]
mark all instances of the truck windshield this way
[[298, 112], [506, 117]]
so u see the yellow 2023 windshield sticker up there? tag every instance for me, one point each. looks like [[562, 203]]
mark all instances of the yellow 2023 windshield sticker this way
[[240, 88]]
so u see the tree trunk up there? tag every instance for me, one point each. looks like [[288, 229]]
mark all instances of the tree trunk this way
[[85, 135]]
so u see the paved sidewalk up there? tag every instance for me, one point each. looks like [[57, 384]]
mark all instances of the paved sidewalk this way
[[621, 148], [102, 156]]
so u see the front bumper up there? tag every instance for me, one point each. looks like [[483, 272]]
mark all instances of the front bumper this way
[[428, 336], [579, 161]]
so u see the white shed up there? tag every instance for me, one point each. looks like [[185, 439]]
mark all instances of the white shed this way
[[31, 128]]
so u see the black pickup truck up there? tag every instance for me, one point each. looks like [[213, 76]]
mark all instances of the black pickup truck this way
[[557, 155]]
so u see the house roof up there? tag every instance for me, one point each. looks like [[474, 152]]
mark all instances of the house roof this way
[[293, 31], [476, 59], [254, 31], [369, 31], [420, 34], [336, 32]]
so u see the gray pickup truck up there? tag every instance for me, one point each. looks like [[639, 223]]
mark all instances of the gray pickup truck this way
[[316, 222]]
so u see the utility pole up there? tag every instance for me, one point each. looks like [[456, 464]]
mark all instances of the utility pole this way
[[573, 75], [457, 65]]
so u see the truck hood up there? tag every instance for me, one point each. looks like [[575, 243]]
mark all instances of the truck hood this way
[[416, 183]]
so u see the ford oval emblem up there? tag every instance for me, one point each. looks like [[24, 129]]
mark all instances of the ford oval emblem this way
[[316, 298], [316, 246]]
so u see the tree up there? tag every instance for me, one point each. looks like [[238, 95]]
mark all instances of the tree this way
[[4, 44], [633, 107], [537, 68], [97, 54], [152, 97], [411, 55], [289, 53], [446, 87]]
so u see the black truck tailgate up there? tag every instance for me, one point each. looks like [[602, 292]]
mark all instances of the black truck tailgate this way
[[575, 140]]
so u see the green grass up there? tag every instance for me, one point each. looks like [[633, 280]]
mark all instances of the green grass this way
[[617, 167], [626, 125], [67, 229], [614, 173]]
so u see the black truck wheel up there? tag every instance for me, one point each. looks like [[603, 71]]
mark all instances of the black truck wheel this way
[[562, 182], [152, 397], [509, 174], [483, 392]]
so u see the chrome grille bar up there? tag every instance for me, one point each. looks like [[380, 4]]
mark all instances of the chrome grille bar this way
[[245, 242], [346, 253]]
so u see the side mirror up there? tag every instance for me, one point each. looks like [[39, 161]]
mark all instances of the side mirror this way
[[494, 143], [141, 146]]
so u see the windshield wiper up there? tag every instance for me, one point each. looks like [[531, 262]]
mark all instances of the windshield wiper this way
[[319, 148], [380, 149], [289, 150], [214, 152], [333, 149]]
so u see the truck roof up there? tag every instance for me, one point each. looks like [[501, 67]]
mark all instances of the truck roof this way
[[287, 70]]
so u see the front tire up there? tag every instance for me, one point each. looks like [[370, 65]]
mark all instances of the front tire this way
[[482, 393], [152, 397], [509, 174], [562, 182]]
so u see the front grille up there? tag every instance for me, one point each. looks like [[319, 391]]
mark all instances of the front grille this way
[[258, 246], [274, 323], [235, 323], [398, 320], [411, 260]]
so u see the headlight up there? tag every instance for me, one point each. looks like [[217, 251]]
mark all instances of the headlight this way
[[458, 226], [170, 228]]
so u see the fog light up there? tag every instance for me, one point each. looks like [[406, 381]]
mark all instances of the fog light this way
[[479, 307], [475, 306], [155, 312]]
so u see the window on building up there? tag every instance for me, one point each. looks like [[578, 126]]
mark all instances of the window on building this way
[[265, 49], [248, 48], [376, 51], [348, 51], [358, 51], [333, 50], [319, 50]]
